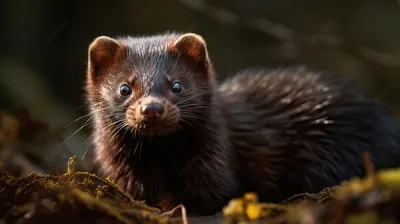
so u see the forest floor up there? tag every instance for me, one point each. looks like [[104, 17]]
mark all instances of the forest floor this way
[[82, 197]]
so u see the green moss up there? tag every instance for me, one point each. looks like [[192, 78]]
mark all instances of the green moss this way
[[81, 197], [69, 197]]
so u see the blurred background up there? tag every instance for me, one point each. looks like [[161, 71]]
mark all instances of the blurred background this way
[[44, 45]]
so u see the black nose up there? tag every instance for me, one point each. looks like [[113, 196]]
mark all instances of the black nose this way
[[152, 111]]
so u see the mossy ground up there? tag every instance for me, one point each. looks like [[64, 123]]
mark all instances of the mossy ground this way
[[80, 197]]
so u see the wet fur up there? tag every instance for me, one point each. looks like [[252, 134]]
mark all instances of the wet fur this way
[[276, 132]]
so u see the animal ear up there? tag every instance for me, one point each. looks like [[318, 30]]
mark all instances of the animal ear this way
[[102, 53], [192, 46]]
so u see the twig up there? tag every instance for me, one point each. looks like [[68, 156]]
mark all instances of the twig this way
[[287, 35], [369, 165]]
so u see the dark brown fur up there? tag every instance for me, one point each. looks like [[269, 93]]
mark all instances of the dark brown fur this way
[[155, 167], [297, 130], [276, 132]]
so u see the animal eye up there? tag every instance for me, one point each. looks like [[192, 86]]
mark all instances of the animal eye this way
[[177, 88], [125, 90]]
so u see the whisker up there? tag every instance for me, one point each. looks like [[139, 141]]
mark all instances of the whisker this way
[[101, 130], [80, 107], [137, 144], [141, 146], [80, 118], [73, 134], [193, 116], [84, 154], [115, 133]]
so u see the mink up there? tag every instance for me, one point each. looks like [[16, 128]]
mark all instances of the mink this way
[[167, 132]]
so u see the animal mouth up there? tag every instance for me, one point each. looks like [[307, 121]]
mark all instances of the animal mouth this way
[[154, 128], [151, 118]]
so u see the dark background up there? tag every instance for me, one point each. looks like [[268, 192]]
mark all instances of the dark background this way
[[44, 55]]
